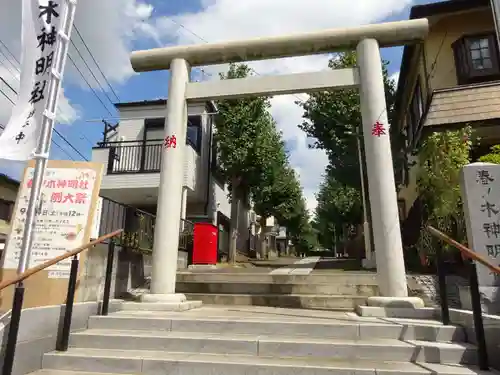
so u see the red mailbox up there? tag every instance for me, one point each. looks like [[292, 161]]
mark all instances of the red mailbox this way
[[205, 243]]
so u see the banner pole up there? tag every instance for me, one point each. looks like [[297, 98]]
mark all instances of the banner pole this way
[[43, 148]]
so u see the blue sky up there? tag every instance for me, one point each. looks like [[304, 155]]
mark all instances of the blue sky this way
[[131, 25]]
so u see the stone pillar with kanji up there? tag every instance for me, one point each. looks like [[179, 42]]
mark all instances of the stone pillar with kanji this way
[[481, 202]]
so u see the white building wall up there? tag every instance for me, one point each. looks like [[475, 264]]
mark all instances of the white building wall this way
[[222, 199], [132, 126]]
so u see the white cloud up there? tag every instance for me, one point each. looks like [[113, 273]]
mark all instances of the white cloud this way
[[108, 27], [67, 112], [221, 20]]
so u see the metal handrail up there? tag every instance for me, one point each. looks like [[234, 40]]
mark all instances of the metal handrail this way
[[464, 250], [17, 303], [471, 258], [51, 262]]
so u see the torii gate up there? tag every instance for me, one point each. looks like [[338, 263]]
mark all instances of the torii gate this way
[[367, 76]]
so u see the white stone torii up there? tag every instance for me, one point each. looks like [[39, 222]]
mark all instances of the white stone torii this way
[[367, 76]]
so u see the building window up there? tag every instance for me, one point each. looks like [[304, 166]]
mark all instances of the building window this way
[[6, 208], [193, 136], [480, 53], [476, 59], [155, 131]]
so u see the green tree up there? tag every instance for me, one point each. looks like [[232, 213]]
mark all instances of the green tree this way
[[241, 136], [279, 193], [440, 161], [493, 157], [299, 228], [339, 209], [333, 120]]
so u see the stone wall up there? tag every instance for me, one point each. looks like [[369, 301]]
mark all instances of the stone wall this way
[[39, 330], [128, 273]]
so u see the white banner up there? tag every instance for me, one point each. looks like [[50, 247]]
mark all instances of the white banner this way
[[41, 20]]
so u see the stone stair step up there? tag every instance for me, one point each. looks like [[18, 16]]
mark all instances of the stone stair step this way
[[161, 363], [155, 306], [353, 278], [304, 301], [228, 287], [278, 346], [325, 328]]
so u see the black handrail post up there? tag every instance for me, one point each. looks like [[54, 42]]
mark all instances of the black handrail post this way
[[477, 313], [15, 319], [443, 294], [63, 343], [107, 281]]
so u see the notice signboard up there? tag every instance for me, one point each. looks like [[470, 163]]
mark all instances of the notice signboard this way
[[65, 213]]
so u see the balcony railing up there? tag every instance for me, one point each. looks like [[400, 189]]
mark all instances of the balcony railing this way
[[134, 156]]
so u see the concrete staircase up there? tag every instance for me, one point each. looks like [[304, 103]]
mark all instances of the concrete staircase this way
[[334, 291], [261, 341]]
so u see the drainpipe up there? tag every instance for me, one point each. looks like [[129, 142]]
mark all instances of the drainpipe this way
[[209, 168], [495, 7]]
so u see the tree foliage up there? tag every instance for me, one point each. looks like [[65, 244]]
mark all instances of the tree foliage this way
[[333, 119], [242, 125], [493, 157], [254, 163], [440, 161], [241, 137], [338, 205]]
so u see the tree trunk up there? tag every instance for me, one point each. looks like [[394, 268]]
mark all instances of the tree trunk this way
[[235, 211], [262, 238]]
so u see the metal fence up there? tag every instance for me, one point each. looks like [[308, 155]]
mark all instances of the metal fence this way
[[186, 235], [138, 225]]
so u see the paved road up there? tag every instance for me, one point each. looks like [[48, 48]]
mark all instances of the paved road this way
[[300, 267]]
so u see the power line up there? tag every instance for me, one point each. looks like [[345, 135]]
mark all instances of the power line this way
[[90, 70], [55, 130], [55, 144], [7, 67], [7, 84], [89, 85], [8, 97], [78, 69], [252, 69], [95, 62], [83, 77], [9, 52]]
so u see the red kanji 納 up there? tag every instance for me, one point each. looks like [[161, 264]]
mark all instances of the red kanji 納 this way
[[170, 141]]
